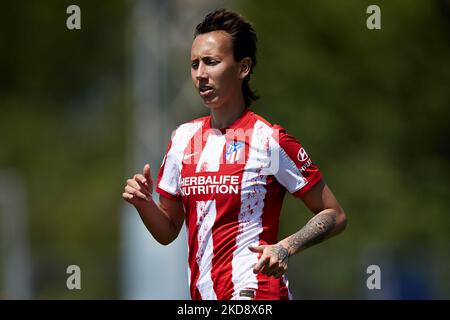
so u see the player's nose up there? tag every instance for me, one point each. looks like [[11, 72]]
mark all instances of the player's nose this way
[[201, 72]]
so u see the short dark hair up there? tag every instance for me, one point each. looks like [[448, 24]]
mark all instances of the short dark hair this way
[[243, 38]]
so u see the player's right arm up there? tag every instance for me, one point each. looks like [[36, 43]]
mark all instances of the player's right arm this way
[[164, 219]]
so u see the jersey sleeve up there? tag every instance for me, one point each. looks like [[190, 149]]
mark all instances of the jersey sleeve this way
[[296, 171], [169, 176]]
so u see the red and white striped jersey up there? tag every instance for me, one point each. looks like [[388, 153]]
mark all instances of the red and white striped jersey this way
[[232, 183]]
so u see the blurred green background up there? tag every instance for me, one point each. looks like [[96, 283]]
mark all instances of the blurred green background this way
[[372, 108]]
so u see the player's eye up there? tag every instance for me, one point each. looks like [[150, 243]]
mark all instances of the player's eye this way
[[211, 62], [194, 64]]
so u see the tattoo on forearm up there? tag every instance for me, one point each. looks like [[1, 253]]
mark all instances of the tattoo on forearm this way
[[281, 252], [314, 232]]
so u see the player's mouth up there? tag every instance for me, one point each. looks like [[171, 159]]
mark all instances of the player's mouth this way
[[205, 90]]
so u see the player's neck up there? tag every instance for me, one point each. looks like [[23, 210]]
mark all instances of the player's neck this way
[[225, 116]]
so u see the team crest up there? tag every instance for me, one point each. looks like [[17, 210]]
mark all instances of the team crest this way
[[234, 152]]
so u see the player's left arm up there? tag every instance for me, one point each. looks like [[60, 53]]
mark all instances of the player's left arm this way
[[329, 220]]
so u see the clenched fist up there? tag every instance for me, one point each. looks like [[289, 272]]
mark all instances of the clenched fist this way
[[139, 189]]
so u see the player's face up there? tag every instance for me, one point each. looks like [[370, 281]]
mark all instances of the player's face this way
[[214, 71]]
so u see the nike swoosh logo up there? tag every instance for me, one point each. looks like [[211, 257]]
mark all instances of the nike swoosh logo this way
[[190, 155]]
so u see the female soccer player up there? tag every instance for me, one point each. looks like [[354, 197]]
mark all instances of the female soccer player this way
[[226, 175]]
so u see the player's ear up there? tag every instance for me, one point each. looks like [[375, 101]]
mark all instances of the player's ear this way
[[244, 67]]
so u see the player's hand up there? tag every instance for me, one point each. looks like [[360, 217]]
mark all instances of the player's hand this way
[[274, 260], [139, 189]]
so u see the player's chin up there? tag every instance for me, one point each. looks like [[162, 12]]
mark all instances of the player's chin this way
[[211, 102]]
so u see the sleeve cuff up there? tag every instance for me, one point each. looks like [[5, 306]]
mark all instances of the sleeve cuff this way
[[299, 193], [167, 195]]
